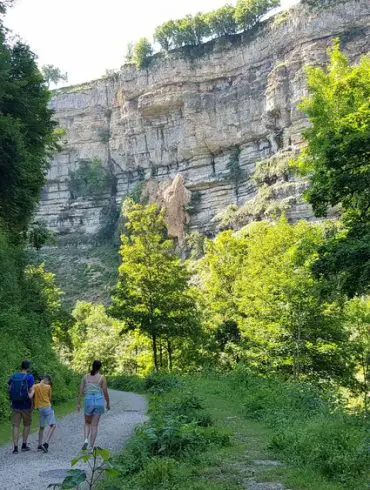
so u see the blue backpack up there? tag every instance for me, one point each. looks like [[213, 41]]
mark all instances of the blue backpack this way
[[18, 387]]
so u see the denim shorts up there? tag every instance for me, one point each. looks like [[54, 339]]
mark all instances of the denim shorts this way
[[94, 405], [47, 416]]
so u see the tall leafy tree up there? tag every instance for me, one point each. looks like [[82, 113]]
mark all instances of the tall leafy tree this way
[[201, 27], [29, 298], [249, 12], [163, 34], [152, 293], [358, 322], [285, 318], [217, 273], [26, 134], [337, 161], [258, 283], [142, 52], [53, 74], [222, 21]]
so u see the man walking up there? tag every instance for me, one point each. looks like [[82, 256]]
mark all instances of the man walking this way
[[19, 386]]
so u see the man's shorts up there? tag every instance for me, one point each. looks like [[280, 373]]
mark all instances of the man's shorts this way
[[47, 416], [93, 405], [19, 415]]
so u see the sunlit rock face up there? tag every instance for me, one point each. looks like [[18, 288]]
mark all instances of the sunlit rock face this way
[[175, 125]]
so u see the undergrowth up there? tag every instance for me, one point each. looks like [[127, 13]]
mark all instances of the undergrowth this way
[[180, 428], [205, 432], [310, 426]]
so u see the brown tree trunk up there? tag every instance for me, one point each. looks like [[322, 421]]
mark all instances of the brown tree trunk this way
[[155, 355], [169, 350], [161, 354], [366, 387]]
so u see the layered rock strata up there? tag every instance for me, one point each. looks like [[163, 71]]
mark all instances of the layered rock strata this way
[[175, 125]]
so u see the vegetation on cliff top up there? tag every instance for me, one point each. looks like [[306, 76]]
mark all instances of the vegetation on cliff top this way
[[194, 30]]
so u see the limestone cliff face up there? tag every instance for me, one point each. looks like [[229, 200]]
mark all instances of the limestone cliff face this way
[[185, 117]]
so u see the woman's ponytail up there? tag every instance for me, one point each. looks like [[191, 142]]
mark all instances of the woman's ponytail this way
[[96, 366]]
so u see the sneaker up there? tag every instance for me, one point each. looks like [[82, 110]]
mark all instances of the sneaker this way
[[40, 448], [45, 447], [84, 446], [15, 450], [25, 447]]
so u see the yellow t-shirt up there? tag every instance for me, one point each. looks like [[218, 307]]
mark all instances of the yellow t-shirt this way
[[42, 395]]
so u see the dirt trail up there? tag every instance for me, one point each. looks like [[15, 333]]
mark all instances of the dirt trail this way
[[35, 471]]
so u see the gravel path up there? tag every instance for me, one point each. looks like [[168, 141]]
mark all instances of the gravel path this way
[[35, 471]]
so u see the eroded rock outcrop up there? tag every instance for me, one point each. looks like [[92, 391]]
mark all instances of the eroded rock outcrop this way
[[178, 122]]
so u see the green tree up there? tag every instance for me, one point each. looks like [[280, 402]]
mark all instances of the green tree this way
[[259, 282], [95, 335], [357, 312], [89, 179], [217, 273], [152, 293], [284, 317], [337, 162], [164, 34], [26, 134], [249, 12], [222, 21], [129, 56], [52, 74], [39, 234], [29, 298], [184, 34], [235, 173], [201, 27], [143, 50], [195, 242]]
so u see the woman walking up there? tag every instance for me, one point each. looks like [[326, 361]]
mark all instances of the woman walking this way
[[94, 389]]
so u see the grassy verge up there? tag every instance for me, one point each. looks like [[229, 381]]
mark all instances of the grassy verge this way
[[61, 410], [226, 432]]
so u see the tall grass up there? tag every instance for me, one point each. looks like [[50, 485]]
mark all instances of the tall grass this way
[[311, 426]]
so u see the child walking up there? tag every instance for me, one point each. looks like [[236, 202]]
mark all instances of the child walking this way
[[42, 401]]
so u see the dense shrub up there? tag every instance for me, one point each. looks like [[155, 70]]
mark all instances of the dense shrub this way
[[29, 304], [179, 426], [168, 436], [158, 383], [126, 383], [188, 407], [89, 180]]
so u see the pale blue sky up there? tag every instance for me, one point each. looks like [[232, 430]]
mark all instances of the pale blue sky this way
[[85, 37]]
